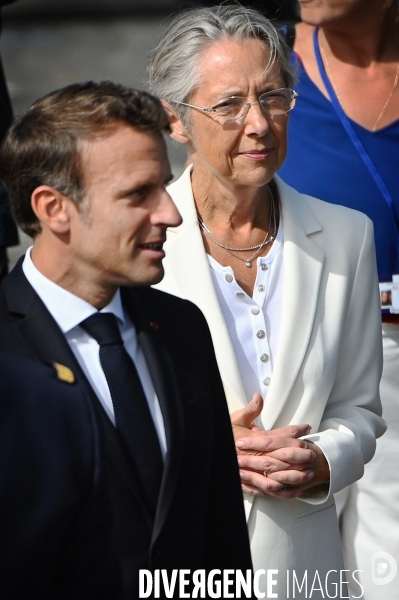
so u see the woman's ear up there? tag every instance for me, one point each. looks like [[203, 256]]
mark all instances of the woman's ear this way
[[179, 132], [51, 208]]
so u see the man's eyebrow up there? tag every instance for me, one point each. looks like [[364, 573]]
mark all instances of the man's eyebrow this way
[[131, 190], [145, 184]]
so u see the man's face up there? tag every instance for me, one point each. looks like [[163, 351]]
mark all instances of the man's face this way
[[116, 238]]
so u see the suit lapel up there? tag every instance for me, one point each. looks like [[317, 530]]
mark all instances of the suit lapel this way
[[303, 267], [35, 327], [163, 376], [39, 333]]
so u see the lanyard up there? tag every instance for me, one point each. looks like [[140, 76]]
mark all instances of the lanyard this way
[[351, 132]]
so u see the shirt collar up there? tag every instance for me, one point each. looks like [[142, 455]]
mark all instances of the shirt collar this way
[[66, 309]]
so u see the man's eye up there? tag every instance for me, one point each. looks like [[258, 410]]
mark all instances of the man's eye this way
[[139, 193]]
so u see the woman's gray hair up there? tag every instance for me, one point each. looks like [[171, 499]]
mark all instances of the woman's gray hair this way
[[173, 64]]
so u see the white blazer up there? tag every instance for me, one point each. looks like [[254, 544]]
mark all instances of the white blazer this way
[[327, 367]]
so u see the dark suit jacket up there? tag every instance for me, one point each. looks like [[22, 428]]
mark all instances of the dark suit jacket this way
[[200, 521], [56, 537]]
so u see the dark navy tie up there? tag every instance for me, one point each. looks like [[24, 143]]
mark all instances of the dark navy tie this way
[[132, 414]]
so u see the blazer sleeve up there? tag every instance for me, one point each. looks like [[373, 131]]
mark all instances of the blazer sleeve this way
[[352, 419]]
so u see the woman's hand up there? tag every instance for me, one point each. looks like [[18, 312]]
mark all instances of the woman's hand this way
[[275, 462]]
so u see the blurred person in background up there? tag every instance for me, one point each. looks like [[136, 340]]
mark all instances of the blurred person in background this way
[[343, 147], [8, 229], [287, 283]]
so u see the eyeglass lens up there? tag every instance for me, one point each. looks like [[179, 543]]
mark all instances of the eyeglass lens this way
[[274, 103]]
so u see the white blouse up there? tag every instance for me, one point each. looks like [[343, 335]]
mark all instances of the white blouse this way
[[253, 323]]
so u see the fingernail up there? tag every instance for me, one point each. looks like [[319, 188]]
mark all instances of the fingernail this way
[[313, 455], [240, 444], [309, 429], [309, 475], [239, 463]]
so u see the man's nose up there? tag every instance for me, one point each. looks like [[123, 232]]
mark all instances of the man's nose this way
[[169, 214]]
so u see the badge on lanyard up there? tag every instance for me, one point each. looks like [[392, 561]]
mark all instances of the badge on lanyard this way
[[389, 294]]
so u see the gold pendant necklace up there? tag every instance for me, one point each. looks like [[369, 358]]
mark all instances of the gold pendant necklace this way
[[258, 247], [382, 113], [395, 83]]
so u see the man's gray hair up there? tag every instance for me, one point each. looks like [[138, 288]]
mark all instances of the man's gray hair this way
[[173, 64]]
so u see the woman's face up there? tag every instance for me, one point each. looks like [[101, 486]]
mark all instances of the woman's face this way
[[248, 152]]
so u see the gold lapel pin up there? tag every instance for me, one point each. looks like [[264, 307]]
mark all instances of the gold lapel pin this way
[[64, 373]]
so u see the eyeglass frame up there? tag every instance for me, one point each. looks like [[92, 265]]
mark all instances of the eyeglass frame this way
[[246, 106]]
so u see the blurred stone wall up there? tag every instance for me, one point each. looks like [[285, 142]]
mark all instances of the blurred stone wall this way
[[57, 8], [281, 10]]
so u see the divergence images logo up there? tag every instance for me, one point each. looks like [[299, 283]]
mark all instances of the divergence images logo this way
[[383, 568]]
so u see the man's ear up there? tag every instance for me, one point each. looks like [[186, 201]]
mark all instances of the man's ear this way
[[51, 208], [179, 132]]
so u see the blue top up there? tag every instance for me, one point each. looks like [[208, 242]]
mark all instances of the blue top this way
[[323, 162]]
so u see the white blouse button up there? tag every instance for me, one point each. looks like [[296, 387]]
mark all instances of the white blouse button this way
[[240, 295], [260, 334], [261, 288], [229, 278], [267, 381], [264, 267], [255, 310], [264, 357]]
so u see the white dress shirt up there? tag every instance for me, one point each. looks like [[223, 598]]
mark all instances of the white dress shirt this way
[[68, 311], [253, 323]]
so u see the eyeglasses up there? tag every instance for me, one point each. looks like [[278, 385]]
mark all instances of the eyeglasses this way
[[235, 108]]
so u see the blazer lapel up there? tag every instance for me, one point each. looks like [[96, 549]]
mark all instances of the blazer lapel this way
[[193, 280], [163, 376], [303, 267]]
